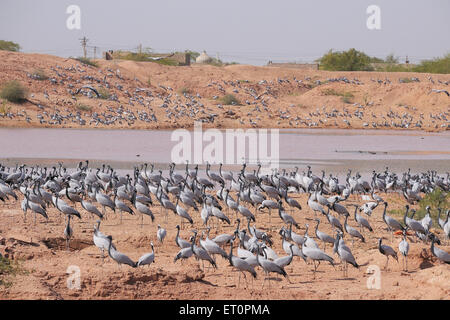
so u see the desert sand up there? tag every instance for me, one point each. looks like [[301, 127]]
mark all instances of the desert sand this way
[[271, 97], [44, 261]]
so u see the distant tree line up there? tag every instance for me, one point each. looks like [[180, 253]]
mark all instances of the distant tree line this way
[[354, 60]]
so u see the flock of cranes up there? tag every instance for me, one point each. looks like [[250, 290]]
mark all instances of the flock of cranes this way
[[118, 101], [207, 202]]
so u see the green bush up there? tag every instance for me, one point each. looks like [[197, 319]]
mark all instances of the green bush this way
[[39, 74], [350, 60], [8, 268], [83, 107], [104, 93], [436, 199], [437, 65], [229, 99], [13, 91], [9, 46], [346, 97]]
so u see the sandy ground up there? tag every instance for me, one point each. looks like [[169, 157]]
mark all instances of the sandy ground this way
[[292, 104], [44, 261]]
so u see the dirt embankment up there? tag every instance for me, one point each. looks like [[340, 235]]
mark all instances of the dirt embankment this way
[[146, 95]]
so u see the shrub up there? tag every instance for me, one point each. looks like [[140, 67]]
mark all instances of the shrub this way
[[39, 74], [229, 99], [13, 91], [351, 60], [104, 93], [185, 90], [83, 107], [437, 65], [4, 109], [9, 46], [87, 61], [8, 268], [436, 199]]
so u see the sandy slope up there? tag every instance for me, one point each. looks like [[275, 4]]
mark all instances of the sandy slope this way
[[41, 252], [294, 99]]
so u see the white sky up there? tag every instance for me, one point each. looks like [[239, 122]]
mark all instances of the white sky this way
[[246, 31]]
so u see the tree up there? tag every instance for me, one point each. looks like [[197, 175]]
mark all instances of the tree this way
[[9, 46], [350, 60], [391, 59]]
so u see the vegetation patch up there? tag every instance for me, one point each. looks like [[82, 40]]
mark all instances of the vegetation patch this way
[[83, 107], [230, 99], [13, 91], [8, 270], [104, 93], [39, 74], [87, 61], [9, 46], [4, 108]]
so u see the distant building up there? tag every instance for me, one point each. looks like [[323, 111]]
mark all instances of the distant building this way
[[203, 58]]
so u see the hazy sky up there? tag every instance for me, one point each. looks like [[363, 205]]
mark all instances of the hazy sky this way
[[246, 31]]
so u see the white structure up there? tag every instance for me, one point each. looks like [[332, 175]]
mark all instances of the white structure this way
[[203, 58]]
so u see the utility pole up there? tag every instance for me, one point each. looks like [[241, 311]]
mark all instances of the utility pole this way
[[140, 49], [84, 41], [95, 52]]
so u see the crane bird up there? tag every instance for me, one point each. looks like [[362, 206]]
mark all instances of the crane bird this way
[[316, 254], [241, 265], [439, 253], [391, 223], [268, 266], [119, 257], [322, 235], [101, 240], [68, 232], [148, 258], [344, 254], [161, 234], [412, 223], [387, 251], [352, 231], [403, 248], [181, 242]]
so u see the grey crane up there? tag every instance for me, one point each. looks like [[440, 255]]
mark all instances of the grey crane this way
[[211, 247], [241, 265], [413, 224], [316, 254], [201, 253], [439, 253], [286, 260], [119, 257], [68, 232], [387, 251], [286, 217], [362, 222], [403, 248], [352, 231], [181, 242], [161, 234], [345, 254], [148, 258], [36, 208], [185, 253], [325, 238], [100, 240], [391, 223], [269, 266]]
